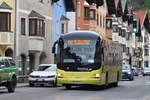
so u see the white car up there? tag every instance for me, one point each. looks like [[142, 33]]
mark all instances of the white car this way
[[45, 75], [146, 71]]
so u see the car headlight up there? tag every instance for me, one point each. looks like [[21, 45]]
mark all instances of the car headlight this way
[[59, 75], [129, 72], [97, 76]]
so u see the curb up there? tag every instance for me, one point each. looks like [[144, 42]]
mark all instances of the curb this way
[[19, 85]]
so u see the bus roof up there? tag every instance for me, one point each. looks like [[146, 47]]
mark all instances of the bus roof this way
[[81, 35]]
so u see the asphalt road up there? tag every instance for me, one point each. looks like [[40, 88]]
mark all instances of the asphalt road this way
[[139, 89]]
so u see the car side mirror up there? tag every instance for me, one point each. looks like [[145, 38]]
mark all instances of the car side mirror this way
[[53, 49]]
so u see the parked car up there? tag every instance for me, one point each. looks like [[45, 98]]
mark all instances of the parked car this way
[[146, 71], [8, 73], [45, 75], [127, 72]]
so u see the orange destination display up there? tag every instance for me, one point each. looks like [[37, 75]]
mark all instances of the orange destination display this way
[[78, 42]]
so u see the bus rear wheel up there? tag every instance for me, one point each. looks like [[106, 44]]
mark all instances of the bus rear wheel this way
[[68, 87]]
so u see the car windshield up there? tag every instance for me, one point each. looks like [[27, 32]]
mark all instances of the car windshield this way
[[47, 68], [126, 67]]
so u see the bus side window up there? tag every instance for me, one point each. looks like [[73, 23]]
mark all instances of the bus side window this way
[[102, 50]]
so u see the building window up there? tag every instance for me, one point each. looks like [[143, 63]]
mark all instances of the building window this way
[[108, 23], [127, 50], [124, 48], [89, 14], [146, 52], [36, 27], [62, 28], [139, 38], [23, 26], [5, 22], [123, 33], [145, 63], [92, 14], [127, 36], [66, 27], [120, 32], [86, 12], [115, 28], [145, 40]]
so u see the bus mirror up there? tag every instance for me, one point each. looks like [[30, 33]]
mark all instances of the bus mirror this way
[[53, 49]]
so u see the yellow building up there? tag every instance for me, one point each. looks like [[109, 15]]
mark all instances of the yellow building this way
[[7, 23]]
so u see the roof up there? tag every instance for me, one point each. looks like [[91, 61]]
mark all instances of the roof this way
[[86, 3], [141, 15], [4, 5], [80, 35], [64, 18], [111, 7], [116, 2], [36, 14], [123, 3]]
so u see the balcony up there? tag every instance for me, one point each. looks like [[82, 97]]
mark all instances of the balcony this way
[[36, 43], [6, 38]]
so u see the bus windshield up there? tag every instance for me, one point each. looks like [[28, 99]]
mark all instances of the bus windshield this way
[[79, 51]]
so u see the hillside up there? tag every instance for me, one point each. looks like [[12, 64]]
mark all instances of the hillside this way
[[140, 5]]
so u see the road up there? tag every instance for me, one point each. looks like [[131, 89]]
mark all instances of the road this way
[[139, 89]]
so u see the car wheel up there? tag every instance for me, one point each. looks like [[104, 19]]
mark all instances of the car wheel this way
[[31, 85], [11, 85], [131, 78], [55, 83]]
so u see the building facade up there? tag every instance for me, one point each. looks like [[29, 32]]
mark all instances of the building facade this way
[[59, 14], [64, 17], [142, 39], [33, 34], [7, 16]]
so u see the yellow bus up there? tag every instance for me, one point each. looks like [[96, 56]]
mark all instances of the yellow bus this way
[[86, 58]]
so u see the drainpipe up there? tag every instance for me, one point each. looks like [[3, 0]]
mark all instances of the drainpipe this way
[[15, 32]]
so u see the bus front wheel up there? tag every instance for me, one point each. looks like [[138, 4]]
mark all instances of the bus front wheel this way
[[68, 87]]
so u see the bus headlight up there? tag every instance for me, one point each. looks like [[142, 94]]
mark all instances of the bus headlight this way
[[97, 75], [59, 75]]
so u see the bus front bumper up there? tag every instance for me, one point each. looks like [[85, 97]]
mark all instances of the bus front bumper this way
[[90, 81]]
